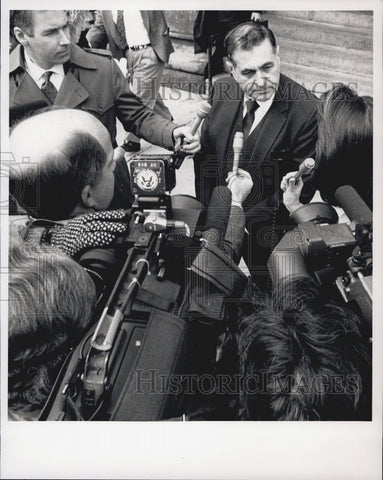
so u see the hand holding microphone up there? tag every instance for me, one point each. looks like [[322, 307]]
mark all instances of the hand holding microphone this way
[[188, 134], [240, 185], [292, 185]]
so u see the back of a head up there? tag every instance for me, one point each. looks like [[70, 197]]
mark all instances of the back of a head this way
[[344, 153], [303, 357], [246, 36], [50, 173], [51, 301]]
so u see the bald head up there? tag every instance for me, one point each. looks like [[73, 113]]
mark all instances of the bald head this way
[[57, 154], [47, 132]]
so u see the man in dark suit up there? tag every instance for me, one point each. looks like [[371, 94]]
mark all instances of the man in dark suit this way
[[278, 118], [48, 69], [142, 38]]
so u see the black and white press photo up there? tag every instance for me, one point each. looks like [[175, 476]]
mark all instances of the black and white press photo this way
[[188, 236]]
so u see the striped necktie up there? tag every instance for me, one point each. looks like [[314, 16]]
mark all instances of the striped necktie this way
[[47, 87]]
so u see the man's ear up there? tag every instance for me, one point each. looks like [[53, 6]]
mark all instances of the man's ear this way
[[21, 36], [87, 197], [230, 67]]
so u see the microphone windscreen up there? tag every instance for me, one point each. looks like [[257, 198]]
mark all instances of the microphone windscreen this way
[[203, 110], [353, 205], [218, 214]]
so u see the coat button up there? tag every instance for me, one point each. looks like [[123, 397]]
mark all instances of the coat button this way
[[99, 109]]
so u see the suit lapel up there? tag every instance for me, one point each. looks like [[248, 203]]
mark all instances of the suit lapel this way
[[71, 93], [261, 140], [230, 124], [27, 90]]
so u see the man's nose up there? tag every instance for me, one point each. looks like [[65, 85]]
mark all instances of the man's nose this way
[[261, 79], [64, 37]]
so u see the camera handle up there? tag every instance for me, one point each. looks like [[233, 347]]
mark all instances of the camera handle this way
[[95, 376]]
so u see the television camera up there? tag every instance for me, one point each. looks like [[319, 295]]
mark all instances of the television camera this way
[[138, 338], [337, 256]]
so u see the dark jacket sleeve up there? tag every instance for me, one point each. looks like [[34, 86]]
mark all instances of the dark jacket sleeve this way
[[96, 35], [136, 117], [204, 181], [304, 147]]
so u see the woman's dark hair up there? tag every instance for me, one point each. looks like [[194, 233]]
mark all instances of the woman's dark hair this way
[[303, 357], [344, 146]]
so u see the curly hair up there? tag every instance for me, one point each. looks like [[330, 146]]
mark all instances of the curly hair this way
[[51, 300], [303, 357]]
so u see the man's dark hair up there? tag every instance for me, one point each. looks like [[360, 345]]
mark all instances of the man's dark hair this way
[[303, 357], [52, 189], [344, 146], [51, 301], [246, 36], [22, 19]]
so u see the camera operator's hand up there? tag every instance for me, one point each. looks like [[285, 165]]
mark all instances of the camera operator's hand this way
[[240, 185], [191, 143], [91, 230], [291, 191]]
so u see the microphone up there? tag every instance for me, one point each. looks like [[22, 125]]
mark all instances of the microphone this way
[[353, 205], [178, 156], [217, 217], [305, 167], [237, 149], [202, 112]]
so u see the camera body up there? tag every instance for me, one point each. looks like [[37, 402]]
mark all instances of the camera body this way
[[138, 339], [337, 256]]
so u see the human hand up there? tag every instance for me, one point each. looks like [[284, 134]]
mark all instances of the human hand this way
[[91, 230], [291, 191], [255, 16], [240, 185], [191, 143]]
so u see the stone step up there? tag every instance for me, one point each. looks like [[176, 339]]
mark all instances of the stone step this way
[[361, 19], [338, 59], [320, 33], [314, 79], [320, 80]]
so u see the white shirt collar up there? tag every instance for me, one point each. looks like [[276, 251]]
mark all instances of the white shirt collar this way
[[262, 105], [36, 72]]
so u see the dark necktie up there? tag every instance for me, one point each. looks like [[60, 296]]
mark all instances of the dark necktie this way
[[120, 27], [48, 88], [251, 107]]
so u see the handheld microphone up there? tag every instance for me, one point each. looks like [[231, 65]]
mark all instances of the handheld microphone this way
[[237, 149], [202, 112], [305, 167], [353, 205], [218, 214]]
